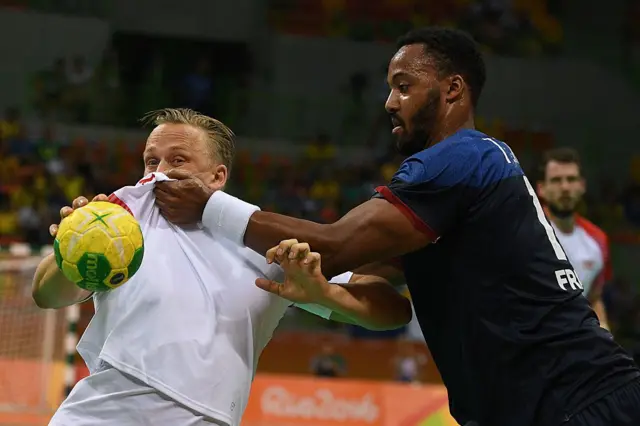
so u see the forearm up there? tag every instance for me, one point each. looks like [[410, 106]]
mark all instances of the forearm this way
[[345, 245], [391, 271], [373, 231], [260, 231], [374, 305], [266, 230], [51, 289]]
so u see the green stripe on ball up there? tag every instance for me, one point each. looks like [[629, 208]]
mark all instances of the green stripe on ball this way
[[94, 268]]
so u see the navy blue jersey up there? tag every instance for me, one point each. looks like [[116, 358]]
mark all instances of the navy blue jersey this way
[[499, 304]]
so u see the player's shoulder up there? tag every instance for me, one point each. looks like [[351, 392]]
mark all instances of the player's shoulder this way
[[592, 229], [447, 160], [467, 156]]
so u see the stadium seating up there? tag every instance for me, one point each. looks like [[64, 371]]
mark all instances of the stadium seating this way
[[256, 178], [527, 26]]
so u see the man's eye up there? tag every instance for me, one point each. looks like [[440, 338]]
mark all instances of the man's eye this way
[[151, 162], [403, 88], [178, 160]]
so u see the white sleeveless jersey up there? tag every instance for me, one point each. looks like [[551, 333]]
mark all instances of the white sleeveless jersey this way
[[587, 248], [190, 323]]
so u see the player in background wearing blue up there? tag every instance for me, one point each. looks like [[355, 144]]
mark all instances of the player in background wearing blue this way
[[499, 304]]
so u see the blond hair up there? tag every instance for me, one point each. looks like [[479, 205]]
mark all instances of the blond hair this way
[[220, 138]]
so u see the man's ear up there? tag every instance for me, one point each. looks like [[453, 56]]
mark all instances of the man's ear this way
[[583, 183], [455, 89], [219, 177]]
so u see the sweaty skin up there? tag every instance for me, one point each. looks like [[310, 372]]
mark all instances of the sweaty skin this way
[[425, 109], [373, 231]]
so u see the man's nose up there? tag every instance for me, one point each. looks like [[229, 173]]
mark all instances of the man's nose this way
[[565, 185], [163, 167], [392, 105]]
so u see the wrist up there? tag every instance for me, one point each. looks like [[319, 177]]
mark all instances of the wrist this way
[[329, 295], [228, 216], [332, 291]]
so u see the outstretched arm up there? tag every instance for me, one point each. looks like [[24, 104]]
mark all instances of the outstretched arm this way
[[373, 231], [422, 202]]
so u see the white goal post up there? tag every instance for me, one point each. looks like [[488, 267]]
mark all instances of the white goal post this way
[[29, 340]]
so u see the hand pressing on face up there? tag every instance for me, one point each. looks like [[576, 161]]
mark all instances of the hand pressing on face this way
[[183, 200]]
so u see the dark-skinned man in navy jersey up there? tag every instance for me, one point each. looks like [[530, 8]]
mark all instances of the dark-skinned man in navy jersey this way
[[497, 300]]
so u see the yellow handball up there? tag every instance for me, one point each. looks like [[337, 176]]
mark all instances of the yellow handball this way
[[99, 246]]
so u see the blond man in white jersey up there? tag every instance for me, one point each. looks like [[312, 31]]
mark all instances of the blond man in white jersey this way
[[562, 187], [178, 345]]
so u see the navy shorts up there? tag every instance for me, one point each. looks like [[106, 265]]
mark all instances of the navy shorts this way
[[619, 408]]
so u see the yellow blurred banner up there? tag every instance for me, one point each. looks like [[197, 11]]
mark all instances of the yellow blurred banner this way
[[304, 401]]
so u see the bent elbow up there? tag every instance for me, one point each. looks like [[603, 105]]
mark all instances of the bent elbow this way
[[399, 316], [39, 300], [395, 319]]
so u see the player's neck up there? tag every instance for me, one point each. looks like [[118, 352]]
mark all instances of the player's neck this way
[[565, 224], [449, 130]]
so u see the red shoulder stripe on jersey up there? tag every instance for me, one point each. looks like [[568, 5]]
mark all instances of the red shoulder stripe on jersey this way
[[113, 198], [603, 241], [415, 220]]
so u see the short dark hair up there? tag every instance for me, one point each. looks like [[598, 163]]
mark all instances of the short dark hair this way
[[454, 52], [563, 155]]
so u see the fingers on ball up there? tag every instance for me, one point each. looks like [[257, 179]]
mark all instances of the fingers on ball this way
[[79, 202], [65, 211], [53, 230]]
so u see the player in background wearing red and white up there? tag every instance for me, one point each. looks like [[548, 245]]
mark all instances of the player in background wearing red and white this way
[[562, 187]]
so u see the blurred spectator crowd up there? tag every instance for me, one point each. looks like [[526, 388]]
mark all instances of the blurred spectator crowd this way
[[40, 175], [515, 27]]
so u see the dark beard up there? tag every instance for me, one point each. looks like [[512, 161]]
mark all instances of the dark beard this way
[[423, 123], [561, 213]]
